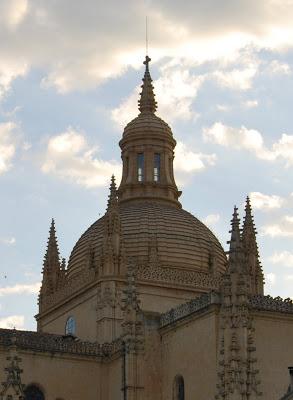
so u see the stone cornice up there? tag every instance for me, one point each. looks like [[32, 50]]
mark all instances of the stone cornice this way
[[50, 343], [186, 309], [269, 303], [159, 275]]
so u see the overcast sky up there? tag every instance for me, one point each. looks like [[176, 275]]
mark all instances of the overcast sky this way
[[70, 73]]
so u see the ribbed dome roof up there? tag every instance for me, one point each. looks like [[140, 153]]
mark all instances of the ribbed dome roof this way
[[181, 239], [146, 122]]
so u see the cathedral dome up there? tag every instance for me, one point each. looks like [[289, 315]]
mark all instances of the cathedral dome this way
[[175, 237], [144, 216]]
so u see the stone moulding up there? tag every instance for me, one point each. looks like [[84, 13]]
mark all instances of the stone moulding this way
[[181, 277], [183, 310], [195, 279], [42, 342], [269, 303], [257, 302]]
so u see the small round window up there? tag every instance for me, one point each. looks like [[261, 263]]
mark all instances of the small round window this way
[[70, 326]]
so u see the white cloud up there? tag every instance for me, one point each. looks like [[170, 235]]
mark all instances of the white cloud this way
[[283, 258], [265, 202], [188, 161], [211, 219], [251, 140], [239, 79], [175, 91], [283, 149], [90, 50], [70, 157], [270, 278], [283, 228], [12, 12], [20, 289], [8, 143], [250, 103], [8, 240], [238, 138], [9, 70], [11, 322], [280, 68]]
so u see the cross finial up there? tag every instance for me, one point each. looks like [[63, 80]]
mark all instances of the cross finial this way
[[147, 102]]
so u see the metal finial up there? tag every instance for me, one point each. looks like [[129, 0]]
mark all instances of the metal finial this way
[[146, 36]]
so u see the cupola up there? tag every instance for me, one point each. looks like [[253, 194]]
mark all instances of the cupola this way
[[148, 152]]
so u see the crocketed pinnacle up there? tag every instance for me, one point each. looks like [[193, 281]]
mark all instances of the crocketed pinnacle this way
[[52, 259], [249, 230], [112, 199], [147, 102], [235, 241]]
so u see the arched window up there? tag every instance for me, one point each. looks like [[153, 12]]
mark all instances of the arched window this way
[[178, 388], [32, 392], [157, 167], [140, 167], [70, 326]]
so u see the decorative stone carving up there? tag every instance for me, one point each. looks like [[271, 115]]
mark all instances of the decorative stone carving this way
[[268, 303], [186, 309], [181, 277], [12, 387], [50, 343], [237, 375]]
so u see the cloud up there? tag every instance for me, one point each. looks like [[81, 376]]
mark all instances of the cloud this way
[[8, 144], [90, 51], [175, 91], [11, 322], [283, 228], [69, 157], [239, 79], [250, 104], [284, 258], [265, 202], [188, 161], [211, 219], [270, 279], [13, 12], [8, 241], [20, 289], [283, 149], [251, 140], [277, 67], [238, 138]]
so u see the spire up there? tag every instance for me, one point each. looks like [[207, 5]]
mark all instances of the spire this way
[[250, 248], [53, 275], [147, 102], [235, 241], [52, 258], [236, 260], [112, 198], [249, 230]]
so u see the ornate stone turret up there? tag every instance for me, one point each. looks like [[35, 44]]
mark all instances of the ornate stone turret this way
[[112, 252], [251, 253], [147, 153], [53, 271], [237, 376]]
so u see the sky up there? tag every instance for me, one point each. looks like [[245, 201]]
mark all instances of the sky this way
[[70, 74]]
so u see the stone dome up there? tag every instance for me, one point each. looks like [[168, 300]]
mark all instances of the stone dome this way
[[181, 240], [146, 122]]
